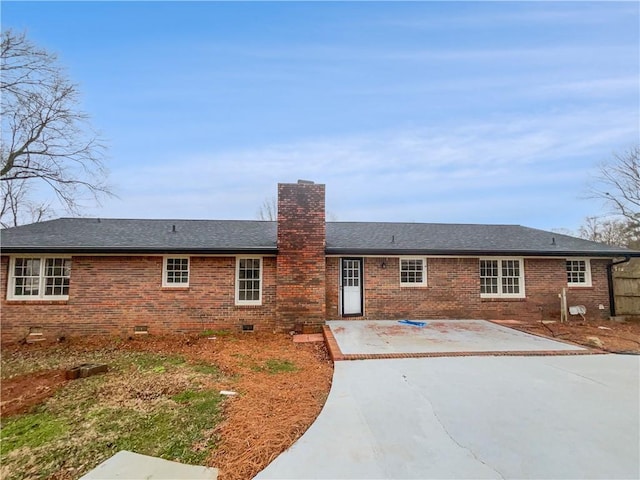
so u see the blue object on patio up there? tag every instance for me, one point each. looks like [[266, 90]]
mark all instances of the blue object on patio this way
[[414, 323]]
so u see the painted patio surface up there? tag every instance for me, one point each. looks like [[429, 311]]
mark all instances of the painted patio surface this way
[[569, 417], [393, 337]]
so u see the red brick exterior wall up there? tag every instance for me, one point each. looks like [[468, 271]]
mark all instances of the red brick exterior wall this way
[[111, 295], [300, 293], [453, 291]]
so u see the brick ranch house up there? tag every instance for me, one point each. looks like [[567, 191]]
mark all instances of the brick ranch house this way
[[81, 276]]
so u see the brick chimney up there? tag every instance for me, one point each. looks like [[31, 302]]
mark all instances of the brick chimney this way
[[300, 290]]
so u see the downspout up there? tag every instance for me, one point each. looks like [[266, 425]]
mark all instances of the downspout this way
[[612, 296]]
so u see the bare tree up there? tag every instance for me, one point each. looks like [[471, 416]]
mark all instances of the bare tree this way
[[611, 231], [46, 139], [269, 209], [16, 207], [618, 183]]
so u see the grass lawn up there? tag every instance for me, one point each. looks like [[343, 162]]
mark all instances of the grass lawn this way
[[148, 403], [159, 397]]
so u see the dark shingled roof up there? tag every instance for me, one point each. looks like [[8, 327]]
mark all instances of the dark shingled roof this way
[[91, 235], [458, 239]]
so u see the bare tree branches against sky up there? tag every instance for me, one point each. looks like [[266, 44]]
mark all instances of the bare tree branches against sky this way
[[496, 112], [618, 184], [46, 139]]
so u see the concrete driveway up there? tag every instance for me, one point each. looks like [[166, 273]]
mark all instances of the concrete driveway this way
[[560, 417]]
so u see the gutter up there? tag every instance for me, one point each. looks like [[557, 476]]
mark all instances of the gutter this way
[[612, 295], [139, 250], [395, 252]]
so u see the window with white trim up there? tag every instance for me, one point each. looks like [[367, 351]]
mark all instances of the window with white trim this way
[[175, 272], [249, 281], [39, 278], [501, 277], [413, 272], [578, 272]]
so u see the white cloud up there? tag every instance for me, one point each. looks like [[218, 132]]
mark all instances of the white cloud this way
[[482, 172]]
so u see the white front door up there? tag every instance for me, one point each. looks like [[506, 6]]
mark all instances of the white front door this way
[[351, 286]]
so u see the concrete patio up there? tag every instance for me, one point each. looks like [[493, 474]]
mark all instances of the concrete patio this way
[[391, 337]]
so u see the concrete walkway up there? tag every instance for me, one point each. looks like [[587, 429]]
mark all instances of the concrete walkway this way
[[568, 417], [437, 336], [133, 466]]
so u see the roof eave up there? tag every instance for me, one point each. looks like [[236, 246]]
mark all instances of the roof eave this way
[[268, 250]]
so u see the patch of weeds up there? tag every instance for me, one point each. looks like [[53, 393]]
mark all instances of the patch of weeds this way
[[30, 430], [203, 412], [137, 431], [151, 361], [202, 400], [242, 356], [244, 360], [214, 333], [206, 369], [170, 433], [274, 366], [27, 360], [185, 397]]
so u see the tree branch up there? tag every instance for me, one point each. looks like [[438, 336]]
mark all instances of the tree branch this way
[[46, 139]]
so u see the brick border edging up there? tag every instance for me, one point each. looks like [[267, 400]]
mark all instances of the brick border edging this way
[[332, 344], [336, 354]]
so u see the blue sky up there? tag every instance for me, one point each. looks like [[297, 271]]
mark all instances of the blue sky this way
[[478, 112]]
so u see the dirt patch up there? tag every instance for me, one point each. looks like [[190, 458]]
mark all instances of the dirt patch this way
[[615, 337], [281, 387], [20, 393]]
